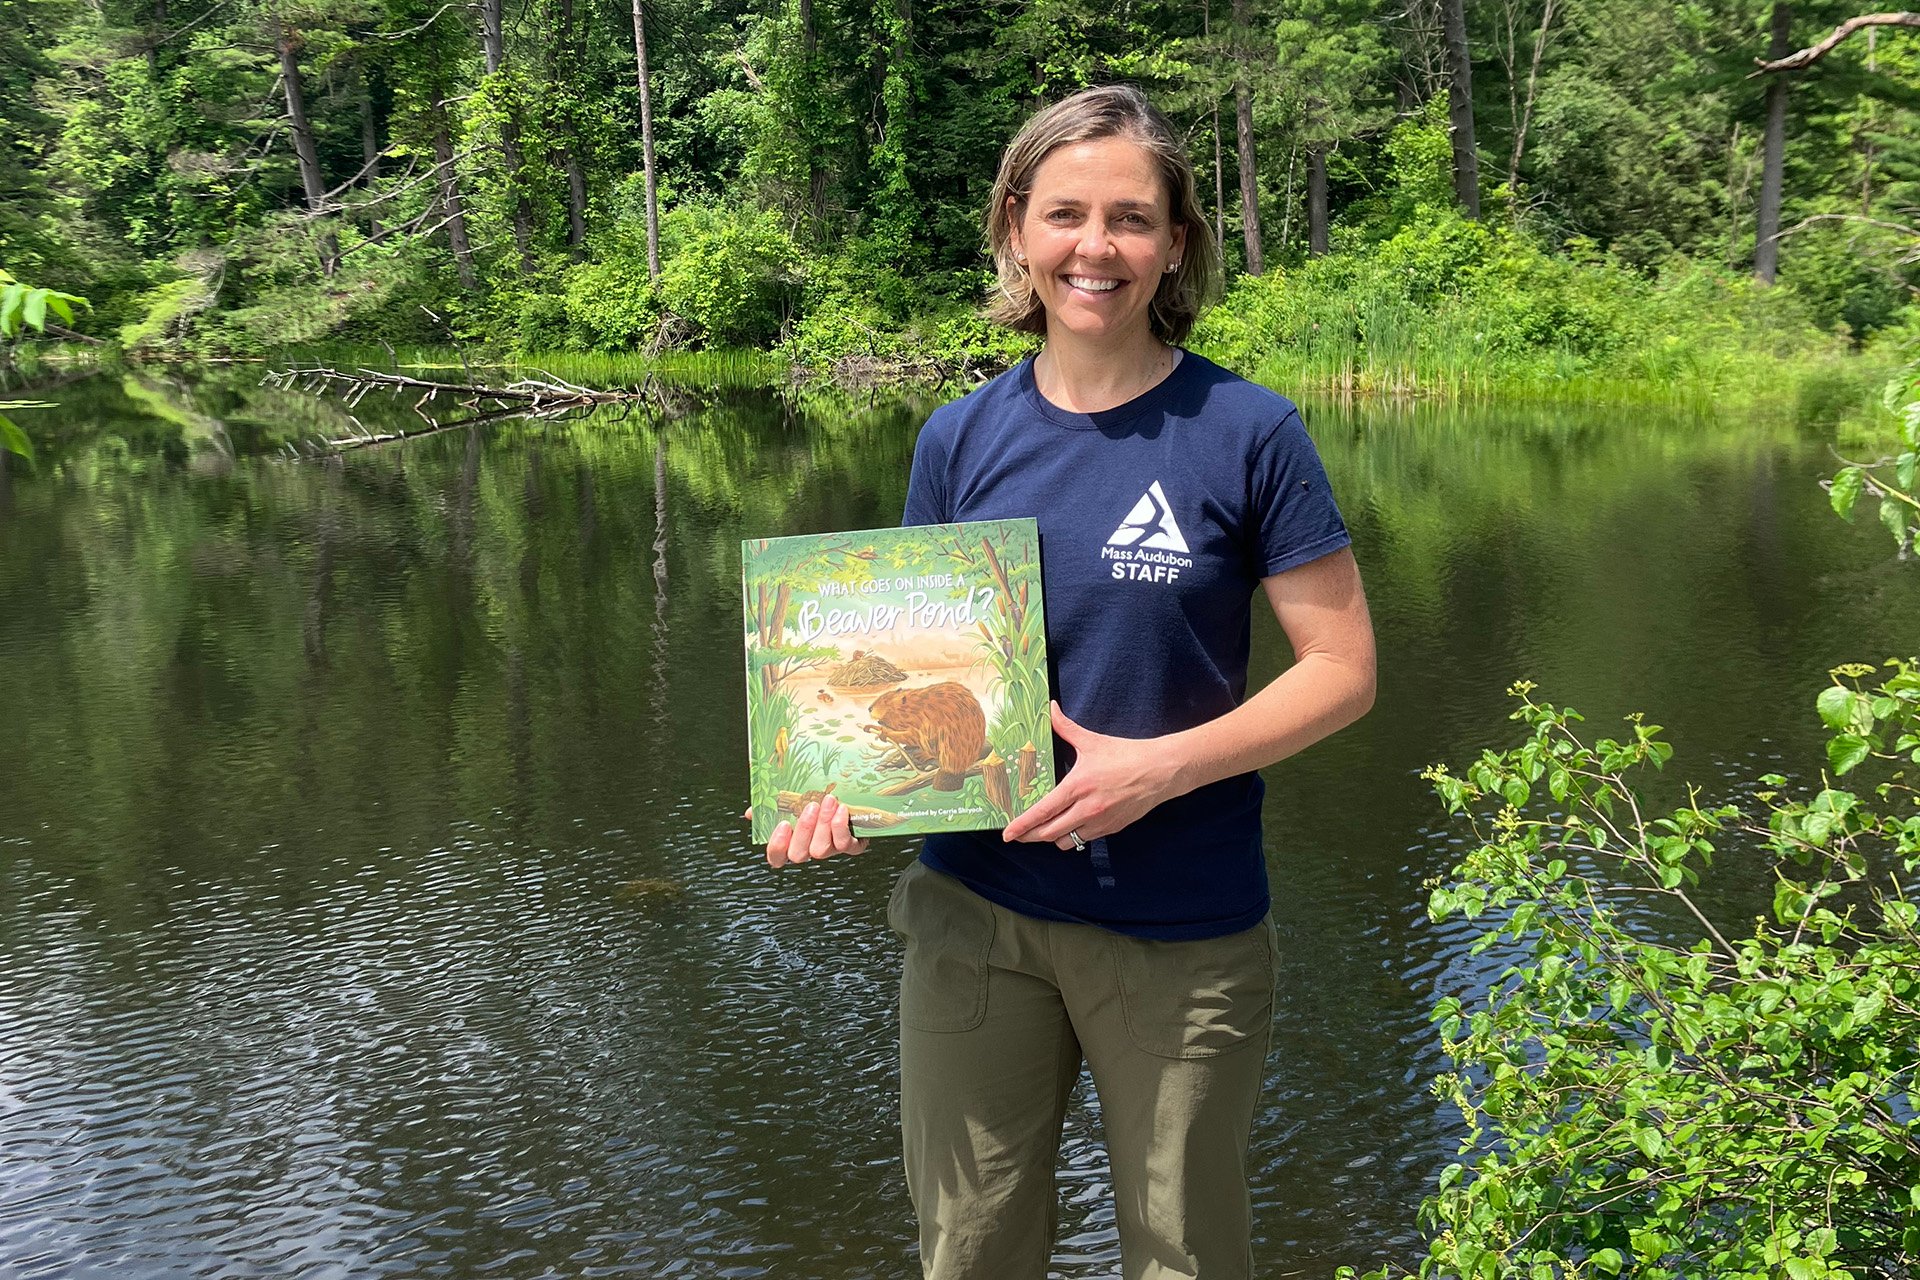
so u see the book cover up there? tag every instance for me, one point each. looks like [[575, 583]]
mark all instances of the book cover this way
[[903, 670]]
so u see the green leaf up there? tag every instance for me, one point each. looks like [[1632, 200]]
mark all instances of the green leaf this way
[[1608, 1260], [1845, 751], [1557, 781], [12, 298], [13, 439], [35, 312], [1903, 467], [1650, 1142], [1802, 1269], [1894, 516], [1845, 491], [1836, 707], [61, 307]]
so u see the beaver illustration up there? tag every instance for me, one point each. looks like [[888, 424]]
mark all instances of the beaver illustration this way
[[939, 727]]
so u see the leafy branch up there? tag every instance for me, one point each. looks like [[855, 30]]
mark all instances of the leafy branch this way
[[24, 307], [1705, 1101]]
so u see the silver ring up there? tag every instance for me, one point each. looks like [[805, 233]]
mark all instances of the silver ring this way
[[1079, 845]]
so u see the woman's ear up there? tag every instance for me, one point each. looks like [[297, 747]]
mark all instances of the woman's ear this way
[[1179, 251]]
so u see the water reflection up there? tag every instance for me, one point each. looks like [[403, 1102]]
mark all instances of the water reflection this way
[[372, 898]]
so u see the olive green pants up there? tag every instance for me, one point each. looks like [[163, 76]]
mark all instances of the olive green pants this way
[[997, 1011]]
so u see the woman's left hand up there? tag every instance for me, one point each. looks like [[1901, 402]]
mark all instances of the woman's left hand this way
[[1113, 782]]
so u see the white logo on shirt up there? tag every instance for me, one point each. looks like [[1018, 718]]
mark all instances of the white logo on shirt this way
[[1150, 524], [1148, 546]]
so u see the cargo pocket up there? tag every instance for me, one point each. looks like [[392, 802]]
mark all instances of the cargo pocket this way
[[1199, 998], [948, 929]]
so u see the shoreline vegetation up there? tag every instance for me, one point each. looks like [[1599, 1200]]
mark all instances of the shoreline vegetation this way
[[1446, 308]]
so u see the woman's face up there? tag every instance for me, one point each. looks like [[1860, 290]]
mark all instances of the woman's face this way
[[1098, 235]]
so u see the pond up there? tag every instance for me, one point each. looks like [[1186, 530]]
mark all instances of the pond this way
[[373, 895]]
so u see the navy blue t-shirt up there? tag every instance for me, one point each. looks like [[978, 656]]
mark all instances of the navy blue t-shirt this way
[[1158, 519]]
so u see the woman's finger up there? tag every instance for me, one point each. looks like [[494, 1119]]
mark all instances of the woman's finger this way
[[843, 837], [823, 843], [1059, 830], [1045, 810], [778, 843], [800, 848]]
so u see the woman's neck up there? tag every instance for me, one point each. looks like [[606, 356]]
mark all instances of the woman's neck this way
[[1083, 377]]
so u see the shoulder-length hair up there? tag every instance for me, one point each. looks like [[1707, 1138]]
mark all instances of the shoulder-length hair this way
[[1108, 111]]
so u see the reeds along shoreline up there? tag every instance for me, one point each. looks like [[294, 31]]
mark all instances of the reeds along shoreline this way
[[1428, 367]]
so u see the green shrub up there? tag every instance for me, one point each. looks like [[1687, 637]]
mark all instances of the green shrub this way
[[167, 311], [1719, 1103], [728, 273]]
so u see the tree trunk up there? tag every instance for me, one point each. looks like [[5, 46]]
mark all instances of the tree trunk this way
[[369, 125], [646, 139], [1249, 180], [448, 181], [1466, 157], [1219, 157], [1219, 183], [576, 174], [1866, 136], [816, 172], [1766, 248], [1525, 120], [1286, 199], [157, 34], [303, 146], [1243, 128], [1317, 199], [576, 203], [493, 37]]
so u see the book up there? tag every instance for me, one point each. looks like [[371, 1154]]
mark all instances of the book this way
[[902, 670]]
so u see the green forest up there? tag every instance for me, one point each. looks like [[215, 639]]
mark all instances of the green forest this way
[[1412, 193]]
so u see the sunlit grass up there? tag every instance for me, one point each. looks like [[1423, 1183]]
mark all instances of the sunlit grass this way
[[589, 368], [1404, 356]]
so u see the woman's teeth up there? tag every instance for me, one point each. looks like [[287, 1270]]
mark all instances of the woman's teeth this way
[[1092, 285]]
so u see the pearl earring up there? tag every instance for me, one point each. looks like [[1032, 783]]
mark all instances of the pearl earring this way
[[1172, 267]]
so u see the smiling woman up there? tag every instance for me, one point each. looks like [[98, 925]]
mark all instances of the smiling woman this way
[[1123, 921]]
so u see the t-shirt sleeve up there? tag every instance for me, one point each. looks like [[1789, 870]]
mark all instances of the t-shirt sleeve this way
[[1291, 510], [927, 481]]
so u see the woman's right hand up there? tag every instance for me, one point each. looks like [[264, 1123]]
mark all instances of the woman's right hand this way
[[822, 830]]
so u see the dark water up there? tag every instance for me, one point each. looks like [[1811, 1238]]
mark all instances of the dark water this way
[[373, 899]]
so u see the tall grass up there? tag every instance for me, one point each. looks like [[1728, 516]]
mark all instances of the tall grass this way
[[730, 368]]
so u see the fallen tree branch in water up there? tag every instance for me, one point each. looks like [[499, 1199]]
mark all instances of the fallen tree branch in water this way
[[540, 398]]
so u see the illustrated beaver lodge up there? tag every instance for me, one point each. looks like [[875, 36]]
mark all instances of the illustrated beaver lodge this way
[[865, 671]]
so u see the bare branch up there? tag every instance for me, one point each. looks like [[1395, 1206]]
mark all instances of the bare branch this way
[[1813, 53]]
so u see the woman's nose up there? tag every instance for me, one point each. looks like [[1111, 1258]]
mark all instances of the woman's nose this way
[[1094, 240]]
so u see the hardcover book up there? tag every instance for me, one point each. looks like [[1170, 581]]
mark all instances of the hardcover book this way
[[902, 670]]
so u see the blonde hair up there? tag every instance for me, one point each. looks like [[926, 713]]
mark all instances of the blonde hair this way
[[1110, 111]]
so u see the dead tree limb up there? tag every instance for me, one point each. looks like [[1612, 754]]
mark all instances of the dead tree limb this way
[[539, 398], [1806, 57]]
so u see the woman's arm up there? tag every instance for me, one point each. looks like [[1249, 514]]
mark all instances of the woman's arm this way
[[1115, 781]]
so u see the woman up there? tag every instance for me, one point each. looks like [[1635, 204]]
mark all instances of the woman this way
[[1123, 920]]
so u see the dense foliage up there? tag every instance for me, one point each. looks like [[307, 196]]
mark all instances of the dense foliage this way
[[1654, 1087], [236, 175]]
